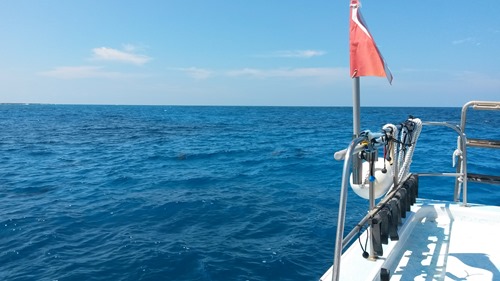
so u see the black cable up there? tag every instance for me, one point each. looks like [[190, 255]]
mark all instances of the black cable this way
[[365, 253]]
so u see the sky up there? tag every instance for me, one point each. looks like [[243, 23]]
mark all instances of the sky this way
[[245, 52]]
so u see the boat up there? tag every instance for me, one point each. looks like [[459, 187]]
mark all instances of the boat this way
[[412, 238], [403, 236]]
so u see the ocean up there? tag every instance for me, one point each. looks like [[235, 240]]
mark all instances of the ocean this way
[[101, 192]]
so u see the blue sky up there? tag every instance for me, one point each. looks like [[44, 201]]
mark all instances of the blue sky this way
[[244, 52]]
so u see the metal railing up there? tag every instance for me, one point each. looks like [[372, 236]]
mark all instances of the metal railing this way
[[481, 143], [461, 177], [461, 174], [341, 242]]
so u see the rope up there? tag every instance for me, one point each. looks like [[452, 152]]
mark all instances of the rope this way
[[391, 138], [404, 147], [409, 136]]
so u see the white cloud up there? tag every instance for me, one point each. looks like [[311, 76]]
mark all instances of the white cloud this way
[[129, 48], [196, 73], [300, 54], [478, 80], [314, 72], [79, 72], [294, 54], [468, 40], [323, 73], [126, 56]]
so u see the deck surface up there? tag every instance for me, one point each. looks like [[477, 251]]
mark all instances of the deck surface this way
[[439, 241]]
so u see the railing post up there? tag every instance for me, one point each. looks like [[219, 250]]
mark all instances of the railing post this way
[[371, 158], [342, 209], [463, 143]]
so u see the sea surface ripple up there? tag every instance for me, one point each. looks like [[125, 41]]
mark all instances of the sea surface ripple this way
[[190, 193]]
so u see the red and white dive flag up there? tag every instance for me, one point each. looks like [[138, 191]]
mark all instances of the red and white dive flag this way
[[366, 59]]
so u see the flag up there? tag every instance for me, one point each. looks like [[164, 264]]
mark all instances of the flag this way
[[366, 59]]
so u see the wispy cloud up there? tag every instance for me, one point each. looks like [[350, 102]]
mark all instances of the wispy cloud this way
[[323, 73], [318, 72], [125, 56], [197, 73], [468, 40], [294, 54], [300, 53], [79, 72], [479, 80], [130, 48]]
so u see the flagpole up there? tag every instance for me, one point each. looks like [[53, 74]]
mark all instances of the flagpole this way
[[356, 115], [356, 119], [356, 128]]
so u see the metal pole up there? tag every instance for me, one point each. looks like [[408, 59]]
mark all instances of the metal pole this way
[[356, 107], [356, 129], [372, 159], [342, 210]]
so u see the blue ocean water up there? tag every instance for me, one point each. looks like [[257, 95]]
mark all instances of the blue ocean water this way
[[193, 193]]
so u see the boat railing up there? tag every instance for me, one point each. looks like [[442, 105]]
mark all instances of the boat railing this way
[[360, 143], [462, 176], [480, 143], [355, 147], [461, 172]]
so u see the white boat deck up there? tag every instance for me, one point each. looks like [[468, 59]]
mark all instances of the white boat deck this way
[[438, 241]]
